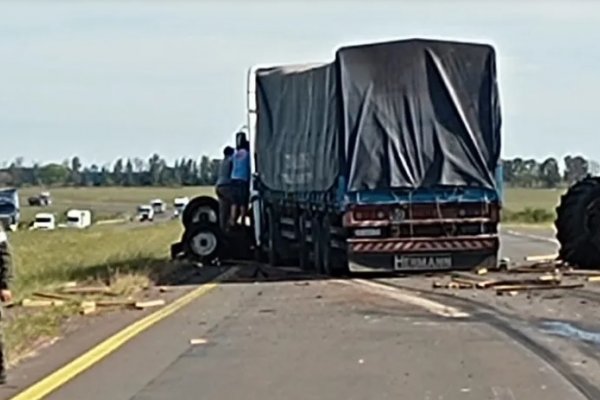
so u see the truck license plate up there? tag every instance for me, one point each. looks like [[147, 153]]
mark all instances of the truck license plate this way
[[422, 262]]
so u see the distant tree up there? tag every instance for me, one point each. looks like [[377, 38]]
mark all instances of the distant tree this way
[[576, 168], [129, 174], [205, 171], [54, 174], [118, 177], [105, 178], [549, 173], [76, 178]]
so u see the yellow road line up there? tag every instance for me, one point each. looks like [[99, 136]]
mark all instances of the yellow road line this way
[[58, 378]]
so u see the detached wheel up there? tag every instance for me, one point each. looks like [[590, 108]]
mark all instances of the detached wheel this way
[[578, 224], [203, 243], [203, 210]]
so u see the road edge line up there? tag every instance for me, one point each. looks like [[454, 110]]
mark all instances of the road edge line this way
[[398, 294], [66, 373]]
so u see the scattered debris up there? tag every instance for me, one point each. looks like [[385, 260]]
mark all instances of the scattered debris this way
[[165, 289], [593, 279], [510, 288], [89, 290], [196, 342], [115, 303], [581, 272], [481, 271], [546, 257], [53, 296], [69, 284], [42, 303], [148, 304]]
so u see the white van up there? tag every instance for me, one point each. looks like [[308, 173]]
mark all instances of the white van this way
[[179, 204], [79, 219], [44, 221], [159, 206], [145, 213]]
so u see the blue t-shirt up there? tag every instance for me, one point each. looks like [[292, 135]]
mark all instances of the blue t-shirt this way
[[241, 166]]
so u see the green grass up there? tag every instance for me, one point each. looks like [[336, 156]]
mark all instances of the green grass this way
[[105, 203], [126, 258], [530, 206]]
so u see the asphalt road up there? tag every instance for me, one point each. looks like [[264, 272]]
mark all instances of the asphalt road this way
[[333, 339]]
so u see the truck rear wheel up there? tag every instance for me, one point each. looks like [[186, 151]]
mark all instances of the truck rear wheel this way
[[204, 243], [335, 261], [303, 248], [578, 224], [273, 237]]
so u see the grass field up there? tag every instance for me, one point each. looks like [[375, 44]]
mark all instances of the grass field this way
[[105, 203], [125, 259]]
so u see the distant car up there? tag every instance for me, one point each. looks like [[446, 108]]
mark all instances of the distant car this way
[[44, 199], [159, 206], [44, 222], [179, 204], [145, 213], [79, 219]]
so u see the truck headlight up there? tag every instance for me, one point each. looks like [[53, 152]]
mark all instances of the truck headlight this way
[[367, 232]]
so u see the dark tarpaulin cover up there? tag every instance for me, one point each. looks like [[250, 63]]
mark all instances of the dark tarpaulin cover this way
[[297, 139], [419, 114], [407, 114]]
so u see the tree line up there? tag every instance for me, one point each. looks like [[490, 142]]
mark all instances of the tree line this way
[[123, 172], [155, 171], [531, 173]]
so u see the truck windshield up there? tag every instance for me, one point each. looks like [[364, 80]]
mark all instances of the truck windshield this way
[[73, 219], [43, 220]]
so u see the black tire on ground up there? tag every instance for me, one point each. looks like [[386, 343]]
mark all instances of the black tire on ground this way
[[203, 243], [202, 210], [335, 261], [578, 224]]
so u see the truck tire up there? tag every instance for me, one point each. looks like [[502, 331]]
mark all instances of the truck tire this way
[[578, 224], [303, 245], [317, 245], [274, 240], [201, 210], [335, 261], [203, 243]]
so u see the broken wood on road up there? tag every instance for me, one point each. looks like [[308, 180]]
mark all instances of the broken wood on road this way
[[42, 303], [149, 303], [509, 288]]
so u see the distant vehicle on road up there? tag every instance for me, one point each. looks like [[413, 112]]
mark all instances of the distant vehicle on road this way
[[44, 199], [179, 204], [10, 211], [79, 219], [44, 221], [145, 213], [159, 206]]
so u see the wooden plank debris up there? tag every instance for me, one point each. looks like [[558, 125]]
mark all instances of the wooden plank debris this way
[[481, 271], [89, 290], [53, 296], [545, 257], [582, 272], [115, 303], [509, 288], [42, 303], [149, 303]]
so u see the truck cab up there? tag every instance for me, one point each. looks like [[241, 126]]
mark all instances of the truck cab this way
[[158, 206], [145, 212], [179, 204], [10, 211], [44, 222], [79, 219]]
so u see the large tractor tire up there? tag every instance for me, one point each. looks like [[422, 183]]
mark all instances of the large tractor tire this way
[[578, 224], [203, 243], [203, 210]]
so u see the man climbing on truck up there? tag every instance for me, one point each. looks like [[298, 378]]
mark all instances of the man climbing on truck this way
[[240, 178], [225, 192]]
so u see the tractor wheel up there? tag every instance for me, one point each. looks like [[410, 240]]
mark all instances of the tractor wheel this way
[[578, 224], [203, 243], [203, 210]]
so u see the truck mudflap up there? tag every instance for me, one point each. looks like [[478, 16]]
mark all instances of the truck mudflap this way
[[422, 254]]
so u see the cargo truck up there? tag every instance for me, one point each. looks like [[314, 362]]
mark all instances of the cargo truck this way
[[385, 159]]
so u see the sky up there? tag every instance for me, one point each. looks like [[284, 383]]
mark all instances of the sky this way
[[111, 79]]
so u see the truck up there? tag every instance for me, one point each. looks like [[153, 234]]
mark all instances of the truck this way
[[10, 209], [179, 204], [385, 159], [159, 206], [79, 219], [44, 222]]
